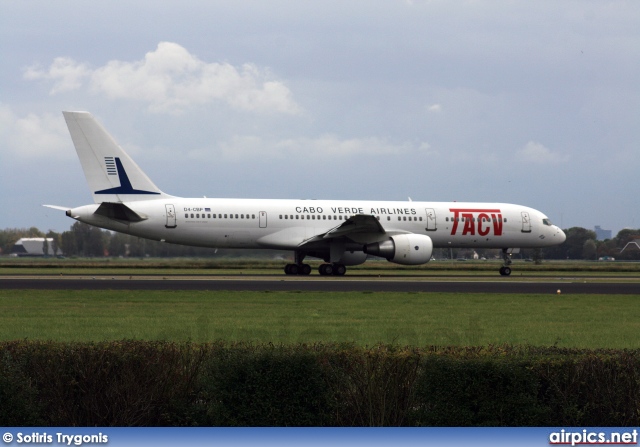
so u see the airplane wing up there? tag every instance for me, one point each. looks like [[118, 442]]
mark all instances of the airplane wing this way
[[357, 224]]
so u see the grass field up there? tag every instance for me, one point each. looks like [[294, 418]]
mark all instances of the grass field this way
[[417, 319]]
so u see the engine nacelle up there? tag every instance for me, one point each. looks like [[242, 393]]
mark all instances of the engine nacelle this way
[[352, 258], [405, 249]]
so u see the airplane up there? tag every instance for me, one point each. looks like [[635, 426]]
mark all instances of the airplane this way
[[340, 232]]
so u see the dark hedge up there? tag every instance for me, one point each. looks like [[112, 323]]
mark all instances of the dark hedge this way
[[137, 383]]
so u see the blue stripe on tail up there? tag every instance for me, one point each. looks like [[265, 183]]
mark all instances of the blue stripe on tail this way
[[125, 185]]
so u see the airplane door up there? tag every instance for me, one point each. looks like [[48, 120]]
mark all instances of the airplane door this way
[[263, 219], [431, 220], [526, 222], [171, 216]]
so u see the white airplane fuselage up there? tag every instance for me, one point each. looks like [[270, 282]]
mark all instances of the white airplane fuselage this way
[[285, 224]]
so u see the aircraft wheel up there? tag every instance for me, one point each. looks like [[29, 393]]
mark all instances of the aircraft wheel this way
[[505, 271], [291, 269], [305, 269], [326, 269], [339, 269]]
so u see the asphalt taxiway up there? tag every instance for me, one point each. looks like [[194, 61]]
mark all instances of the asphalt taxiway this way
[[332, 284]]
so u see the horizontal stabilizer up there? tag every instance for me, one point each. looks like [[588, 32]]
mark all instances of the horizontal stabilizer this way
[[56, 207], [119, 211]]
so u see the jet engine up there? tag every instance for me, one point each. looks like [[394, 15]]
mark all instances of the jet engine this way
[[405, 249]]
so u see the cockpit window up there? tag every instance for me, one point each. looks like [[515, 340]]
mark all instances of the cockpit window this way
[[547, 222]]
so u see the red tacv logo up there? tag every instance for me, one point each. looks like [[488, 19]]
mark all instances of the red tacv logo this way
[[477, 221]]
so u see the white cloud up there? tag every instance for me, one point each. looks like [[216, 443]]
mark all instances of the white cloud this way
[[33, 136], [435, 108], [326, 147], [170, 80], [534, 152], [64, 72]]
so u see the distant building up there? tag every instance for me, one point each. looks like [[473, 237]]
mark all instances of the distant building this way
[[601, 234], [33, 246]]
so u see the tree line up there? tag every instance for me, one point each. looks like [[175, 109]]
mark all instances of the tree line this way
[[84, 240]]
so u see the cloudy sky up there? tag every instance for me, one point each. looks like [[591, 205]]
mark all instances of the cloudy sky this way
[[528, 102]]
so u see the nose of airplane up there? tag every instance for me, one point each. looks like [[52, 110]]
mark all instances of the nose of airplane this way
[[561, 236]]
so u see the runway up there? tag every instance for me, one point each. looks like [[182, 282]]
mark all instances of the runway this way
[[332, 284]]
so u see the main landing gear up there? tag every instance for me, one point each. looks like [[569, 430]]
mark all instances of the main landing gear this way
[[332, 269], [505, 270], [298, 268], [324, 269]]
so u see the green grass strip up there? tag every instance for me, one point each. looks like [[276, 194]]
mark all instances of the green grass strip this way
[[414, 319]]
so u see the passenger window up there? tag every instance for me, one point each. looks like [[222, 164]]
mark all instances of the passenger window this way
[[186, 216]]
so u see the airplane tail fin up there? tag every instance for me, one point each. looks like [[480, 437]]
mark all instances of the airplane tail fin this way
[[111, 174]]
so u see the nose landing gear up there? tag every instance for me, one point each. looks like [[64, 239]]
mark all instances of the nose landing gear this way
[[505, 270]]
